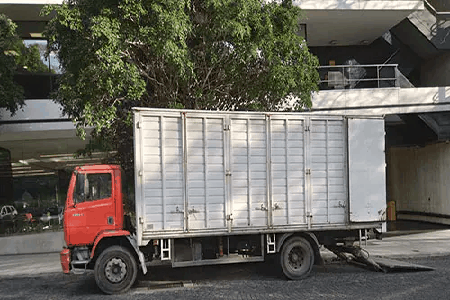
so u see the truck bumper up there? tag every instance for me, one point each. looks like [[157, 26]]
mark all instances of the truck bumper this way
[[65, 260]]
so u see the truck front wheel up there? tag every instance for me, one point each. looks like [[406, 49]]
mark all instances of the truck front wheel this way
[[115, 270], [296, 258]]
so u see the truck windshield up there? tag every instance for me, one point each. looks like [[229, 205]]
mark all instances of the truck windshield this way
[[90, 187]]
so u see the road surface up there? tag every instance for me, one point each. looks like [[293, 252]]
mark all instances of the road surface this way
[[40, 277]]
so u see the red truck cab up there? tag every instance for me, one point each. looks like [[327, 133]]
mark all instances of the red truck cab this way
[[94, 229], [94, 204]]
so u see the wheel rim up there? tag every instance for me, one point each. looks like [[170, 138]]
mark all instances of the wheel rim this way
[[116, 270], [295, 258]]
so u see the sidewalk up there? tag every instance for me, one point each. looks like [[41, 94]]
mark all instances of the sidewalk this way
[[410, 240]]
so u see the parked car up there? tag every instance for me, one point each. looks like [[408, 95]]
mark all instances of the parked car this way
[[8, 212]]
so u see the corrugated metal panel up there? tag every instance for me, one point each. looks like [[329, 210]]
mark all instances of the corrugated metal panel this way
[[248, 143], [234, 171], [162, 173], [205, 172], [328, 163], [287, 171]]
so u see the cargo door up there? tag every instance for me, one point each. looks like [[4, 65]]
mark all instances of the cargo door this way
[[205, 176], [367, 177], [249, 171], [327, 171], [287, 171], [160, 171]]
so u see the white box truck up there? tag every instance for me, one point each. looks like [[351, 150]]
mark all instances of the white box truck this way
[[228, 187]]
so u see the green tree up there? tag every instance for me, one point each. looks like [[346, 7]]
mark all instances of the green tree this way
[[11, 94], [202, 54], [15, 57]]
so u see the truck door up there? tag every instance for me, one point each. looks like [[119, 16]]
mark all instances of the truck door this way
[[287, 152], [205, 174], [327, 171], [93, 208], [367, 179], [249, 171]]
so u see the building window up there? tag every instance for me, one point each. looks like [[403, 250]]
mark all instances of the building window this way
[[36, 72], [51, 61]]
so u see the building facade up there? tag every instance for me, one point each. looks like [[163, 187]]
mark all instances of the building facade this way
[[388, 57]]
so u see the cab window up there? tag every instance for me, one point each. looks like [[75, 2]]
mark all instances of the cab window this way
[[91, 187]]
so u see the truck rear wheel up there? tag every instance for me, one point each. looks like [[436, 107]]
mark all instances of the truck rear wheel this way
[[115, 270], [296, 258]]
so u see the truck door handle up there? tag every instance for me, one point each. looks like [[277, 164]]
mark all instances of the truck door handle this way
[[178, 211], [276, 206], [192, 211], [262, 208]]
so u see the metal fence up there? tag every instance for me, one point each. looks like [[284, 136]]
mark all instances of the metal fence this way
[[358, 76]]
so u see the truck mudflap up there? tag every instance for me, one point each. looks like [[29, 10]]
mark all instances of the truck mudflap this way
[[360, 257], [64, 257]]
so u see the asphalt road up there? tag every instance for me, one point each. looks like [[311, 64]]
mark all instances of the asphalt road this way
[[39, 277]]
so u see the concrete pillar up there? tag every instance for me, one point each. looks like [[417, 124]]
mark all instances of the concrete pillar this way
[[6, 179]]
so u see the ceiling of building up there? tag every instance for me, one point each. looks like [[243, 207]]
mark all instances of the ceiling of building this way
[[337, 22]]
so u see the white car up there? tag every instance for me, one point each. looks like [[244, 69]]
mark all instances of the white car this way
[[8, 212]]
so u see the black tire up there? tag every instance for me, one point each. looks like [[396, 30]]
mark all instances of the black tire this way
[[115, 270], [296, 258]]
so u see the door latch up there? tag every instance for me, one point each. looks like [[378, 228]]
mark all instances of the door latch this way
[[276, 206], [263, 208]]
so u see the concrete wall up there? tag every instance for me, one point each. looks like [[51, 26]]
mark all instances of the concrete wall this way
[[45, 242], [418, 181], [436, 71]]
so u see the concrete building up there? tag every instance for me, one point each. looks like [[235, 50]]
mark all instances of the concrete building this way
[[387, 57]]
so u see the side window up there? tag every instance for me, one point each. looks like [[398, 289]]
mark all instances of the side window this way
[[90, 187], [98, 186], [79, 192]]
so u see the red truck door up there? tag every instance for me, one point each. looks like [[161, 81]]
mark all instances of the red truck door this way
[[93, 209]]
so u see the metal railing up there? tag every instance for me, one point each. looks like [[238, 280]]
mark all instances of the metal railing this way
[[358, 76], [440, 10], [439, 5]]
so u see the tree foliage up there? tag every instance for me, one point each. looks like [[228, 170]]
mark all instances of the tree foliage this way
[[11, 94], [15, 57], [201, 54]]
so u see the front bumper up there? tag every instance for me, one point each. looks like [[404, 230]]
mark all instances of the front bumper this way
[[65, 260]]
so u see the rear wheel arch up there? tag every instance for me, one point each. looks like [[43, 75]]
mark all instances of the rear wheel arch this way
[[296, 257], [309, 236]]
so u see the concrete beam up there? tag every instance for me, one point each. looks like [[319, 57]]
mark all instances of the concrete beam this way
[[382, 101]]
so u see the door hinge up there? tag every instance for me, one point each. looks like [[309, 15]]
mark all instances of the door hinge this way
[[226, 127], [138, 125], [307, 128], [308, 172]]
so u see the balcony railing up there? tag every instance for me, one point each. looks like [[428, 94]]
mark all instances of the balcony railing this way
[[439, 5], [440, 9], [359, 76]]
